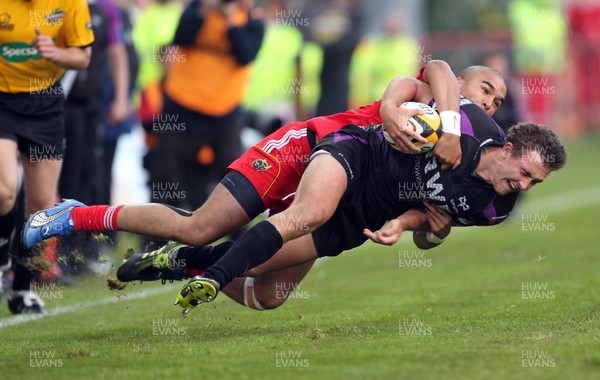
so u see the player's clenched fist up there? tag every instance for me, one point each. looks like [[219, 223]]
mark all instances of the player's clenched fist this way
[[44, 45]]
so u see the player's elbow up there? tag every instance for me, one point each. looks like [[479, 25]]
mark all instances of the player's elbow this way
[[435, 66], [79, 58], [421, 241]]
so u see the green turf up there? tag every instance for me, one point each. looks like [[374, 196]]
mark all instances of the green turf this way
[[461, 313]]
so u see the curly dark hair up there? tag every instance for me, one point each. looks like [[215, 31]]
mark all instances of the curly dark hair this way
[[528, 137]]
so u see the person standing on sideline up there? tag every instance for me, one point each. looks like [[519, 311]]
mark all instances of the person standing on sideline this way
[[199, 129], [38, 42]]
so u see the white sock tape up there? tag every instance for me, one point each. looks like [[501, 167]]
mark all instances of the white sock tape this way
[[249, 291]]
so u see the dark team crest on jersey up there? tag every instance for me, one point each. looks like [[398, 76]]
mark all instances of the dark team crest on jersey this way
[[261, 165]]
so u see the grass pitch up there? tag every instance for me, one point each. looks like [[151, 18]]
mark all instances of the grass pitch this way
[[516, 301]]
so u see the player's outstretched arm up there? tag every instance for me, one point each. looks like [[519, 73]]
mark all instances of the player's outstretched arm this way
[[446, 92], [389, 234], [431, 227]]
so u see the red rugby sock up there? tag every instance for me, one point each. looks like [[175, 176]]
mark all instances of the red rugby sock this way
[[95, 218]]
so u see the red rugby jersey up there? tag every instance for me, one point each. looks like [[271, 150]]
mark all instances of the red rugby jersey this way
[[363, 116]]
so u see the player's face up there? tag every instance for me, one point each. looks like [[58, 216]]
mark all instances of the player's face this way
[[519, 172], [485, 89]]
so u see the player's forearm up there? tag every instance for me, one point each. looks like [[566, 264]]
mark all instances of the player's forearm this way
[[416, 220], [72, 58], [446, 93], [413, 220], [119, 71], [400, 90], [443, 84]]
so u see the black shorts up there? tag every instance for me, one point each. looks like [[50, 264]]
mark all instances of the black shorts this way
[[35, 122], [244, 193], [344, 231]]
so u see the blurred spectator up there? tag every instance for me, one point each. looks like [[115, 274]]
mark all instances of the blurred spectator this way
[[81, 176], [382, 56], [199, 129], [153, 46], [509, 113], [336, 27], [275, 81], [85, 102], [311, 63], [113, 128], [584, 44], [150, 41], [539, 50]]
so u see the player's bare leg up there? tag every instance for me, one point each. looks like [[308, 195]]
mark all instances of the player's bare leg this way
[[8, 175], [219, 216], [41, 186], [8, 194], [323, 183], [41, 183], [270, 284]]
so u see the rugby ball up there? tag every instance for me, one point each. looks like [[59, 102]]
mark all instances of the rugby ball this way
[[428, 125]]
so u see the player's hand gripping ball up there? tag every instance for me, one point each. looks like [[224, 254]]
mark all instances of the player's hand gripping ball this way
[[428, 125]]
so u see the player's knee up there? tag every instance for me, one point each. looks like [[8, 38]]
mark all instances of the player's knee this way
[[259, 294], [180, 211], [198, 232], [8, 197], [270, 302]]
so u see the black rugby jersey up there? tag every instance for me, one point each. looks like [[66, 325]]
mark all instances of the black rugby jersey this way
[[392, 182]]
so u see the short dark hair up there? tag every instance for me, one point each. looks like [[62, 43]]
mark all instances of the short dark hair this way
[[528, 137], [470, 70]]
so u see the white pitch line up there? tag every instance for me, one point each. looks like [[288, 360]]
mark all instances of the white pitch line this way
[[561, 202], [24, 318]]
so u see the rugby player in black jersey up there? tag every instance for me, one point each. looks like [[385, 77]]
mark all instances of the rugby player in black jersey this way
[[481, 84], [352, 181]]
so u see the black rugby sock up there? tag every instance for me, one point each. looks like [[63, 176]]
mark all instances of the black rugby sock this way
[[255, 247], [23, 277], [7, 224], [200, 257], [23, 274]]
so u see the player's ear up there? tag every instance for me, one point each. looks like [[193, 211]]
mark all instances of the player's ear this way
[[507, 149]]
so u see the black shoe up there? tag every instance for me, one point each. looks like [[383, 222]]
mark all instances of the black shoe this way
[[151, 266], [25, 302]]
